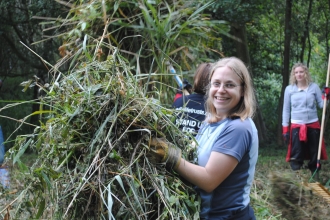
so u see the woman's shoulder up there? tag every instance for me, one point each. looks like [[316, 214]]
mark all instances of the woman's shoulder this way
[[241, 125], [238, 129], [313, 85], [291, 87]]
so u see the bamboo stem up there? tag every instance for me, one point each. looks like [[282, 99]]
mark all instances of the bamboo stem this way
[[323, 117]]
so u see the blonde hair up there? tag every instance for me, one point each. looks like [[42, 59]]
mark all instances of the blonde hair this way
[[308, 77], [247, 105]]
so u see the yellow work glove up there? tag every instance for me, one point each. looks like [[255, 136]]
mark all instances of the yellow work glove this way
[[164, 152]]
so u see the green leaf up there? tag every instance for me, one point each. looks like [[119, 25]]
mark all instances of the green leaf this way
[[46, 179], [41, 208], [21, 151], [22, 166]]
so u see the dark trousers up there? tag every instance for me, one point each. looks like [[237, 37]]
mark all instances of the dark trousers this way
[[301, 150], [246, 214]]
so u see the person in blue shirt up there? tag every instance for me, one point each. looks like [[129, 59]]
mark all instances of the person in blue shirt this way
[[300, 122], [190, 109], [227, 145]]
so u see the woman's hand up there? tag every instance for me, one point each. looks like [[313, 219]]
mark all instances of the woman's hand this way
[[162, 151]]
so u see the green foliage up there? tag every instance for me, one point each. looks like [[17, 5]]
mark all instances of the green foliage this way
[[268, 92], [149, 34], [17, 63], [96, 118], [238, 11], [98, 125], [13, 108]]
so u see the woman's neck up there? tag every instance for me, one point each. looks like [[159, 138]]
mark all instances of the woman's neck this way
[[220, 117], [302, 85]]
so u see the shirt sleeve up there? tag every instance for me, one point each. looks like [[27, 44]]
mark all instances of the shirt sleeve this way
[[235, 140], [286, 107], [318, 96]]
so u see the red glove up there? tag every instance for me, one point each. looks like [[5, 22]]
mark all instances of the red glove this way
[[326, 93], [286, 134]]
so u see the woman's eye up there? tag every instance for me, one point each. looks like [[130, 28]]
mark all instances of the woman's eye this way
[[215, 84], [229, 85]]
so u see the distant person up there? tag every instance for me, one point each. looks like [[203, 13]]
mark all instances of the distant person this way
[[193, 106], [301, 127]]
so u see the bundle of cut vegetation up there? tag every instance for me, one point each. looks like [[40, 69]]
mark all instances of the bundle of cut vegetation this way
[[106, 97], [292, 195], [92, 147]]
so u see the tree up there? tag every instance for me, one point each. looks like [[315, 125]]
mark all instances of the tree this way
[[286, 59], [20, 34]]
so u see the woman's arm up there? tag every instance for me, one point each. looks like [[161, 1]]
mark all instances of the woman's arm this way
[[217, 169], [286, 107], [318, 96]]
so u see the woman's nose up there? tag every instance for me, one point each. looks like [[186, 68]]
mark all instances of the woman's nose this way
[[222, 88]]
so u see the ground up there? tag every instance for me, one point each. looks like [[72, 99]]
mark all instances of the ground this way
[[273, 176]]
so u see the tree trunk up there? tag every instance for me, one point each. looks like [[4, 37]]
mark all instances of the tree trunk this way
[[239, 31], [306, 33], [286, 65]]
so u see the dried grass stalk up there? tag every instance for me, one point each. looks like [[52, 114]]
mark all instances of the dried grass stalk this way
[[295, 199]]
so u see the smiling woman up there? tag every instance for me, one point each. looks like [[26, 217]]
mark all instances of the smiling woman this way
[[227, 145]]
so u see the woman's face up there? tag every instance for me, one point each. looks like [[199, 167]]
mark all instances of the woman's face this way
[[225, 90], [299, 74]]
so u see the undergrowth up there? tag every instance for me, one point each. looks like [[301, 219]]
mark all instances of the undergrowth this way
[[271, 170]]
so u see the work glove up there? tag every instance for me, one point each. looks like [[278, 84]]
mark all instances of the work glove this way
[[326, 92], [162, 151], [286, 134]]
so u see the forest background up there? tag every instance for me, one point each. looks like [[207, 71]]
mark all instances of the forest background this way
[[269, 36]]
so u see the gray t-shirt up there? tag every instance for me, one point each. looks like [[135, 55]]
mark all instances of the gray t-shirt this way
[[236, 138]]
